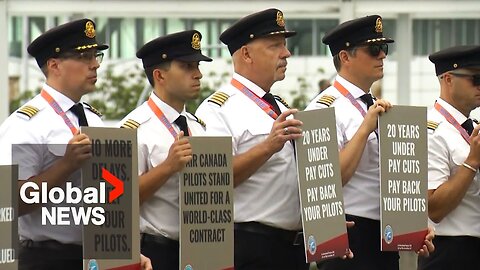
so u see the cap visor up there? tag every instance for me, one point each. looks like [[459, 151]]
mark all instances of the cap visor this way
[[99, 47], [381, 40], [193, 58], [102, 47], [287, 34]]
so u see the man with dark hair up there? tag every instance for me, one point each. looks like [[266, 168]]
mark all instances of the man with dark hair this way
[[69, 56], [171, 66], [358, 48], [322, 85], [453, 161]]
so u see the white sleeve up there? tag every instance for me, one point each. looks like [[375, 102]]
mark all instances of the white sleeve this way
[[216, 124], [438, 161]]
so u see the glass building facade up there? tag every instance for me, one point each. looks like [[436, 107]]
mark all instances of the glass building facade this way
[[127, 35]]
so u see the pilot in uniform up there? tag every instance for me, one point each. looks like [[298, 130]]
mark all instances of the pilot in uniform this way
[[267, 207], [171, 65], [453, 161], [42, 134], [361, 42]]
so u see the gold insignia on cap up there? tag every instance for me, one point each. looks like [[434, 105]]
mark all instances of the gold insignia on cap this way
[[57, 50], [196, 41], [164, 56], [84, 47], [455, 65], [280, 20], [378, 25], [90, 29]]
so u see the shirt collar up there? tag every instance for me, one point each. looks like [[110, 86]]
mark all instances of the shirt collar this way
[[170, 113], [353, 89], [63, 101], [249, 84], [459, 117]]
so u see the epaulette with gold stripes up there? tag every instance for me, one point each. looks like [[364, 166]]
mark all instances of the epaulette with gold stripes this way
[[28, 110], [282, 101], [432, 125], [131, 124], [200, 121], [92, 109], [326, 100], [218, 98]]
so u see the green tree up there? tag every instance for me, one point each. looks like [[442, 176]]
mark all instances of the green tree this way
[[22, 99], [207, 88], [300, 100], [117, 94]]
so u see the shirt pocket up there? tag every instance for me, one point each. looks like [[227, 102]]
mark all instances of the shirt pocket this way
[[158, 154], [252, 136]]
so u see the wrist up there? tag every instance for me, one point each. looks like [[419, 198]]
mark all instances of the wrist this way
[[470, 167], [472, 162], [167, 168], [65, 164], [266, 149]]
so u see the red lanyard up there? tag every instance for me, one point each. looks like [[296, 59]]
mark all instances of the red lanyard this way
[[349, 96], [58, 110], [259, 101], [452, 121], [161, 116]]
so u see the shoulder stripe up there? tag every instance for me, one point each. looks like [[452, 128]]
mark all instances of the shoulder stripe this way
[[132, 124], [432, 125], [92, 109], [200, 121], [28, 110], [282, 101], [218, 98], [326, 100]]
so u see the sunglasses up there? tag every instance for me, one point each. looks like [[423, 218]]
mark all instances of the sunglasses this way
[[375, 49], [84, 56], [475, 77]]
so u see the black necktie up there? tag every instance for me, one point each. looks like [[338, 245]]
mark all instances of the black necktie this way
[[271, 100], [77, 109], [367, 98], [468, 126], [182, 124]]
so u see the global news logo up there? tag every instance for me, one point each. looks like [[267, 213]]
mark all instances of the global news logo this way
[[31, 193]]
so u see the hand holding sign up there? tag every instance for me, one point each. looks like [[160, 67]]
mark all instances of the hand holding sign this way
[[380, 106], [180, 153], [78, 150]]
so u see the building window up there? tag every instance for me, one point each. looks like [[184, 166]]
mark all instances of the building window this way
[[211, 30], [390, 30], [15, 36], [310, 32], [433, 35]]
